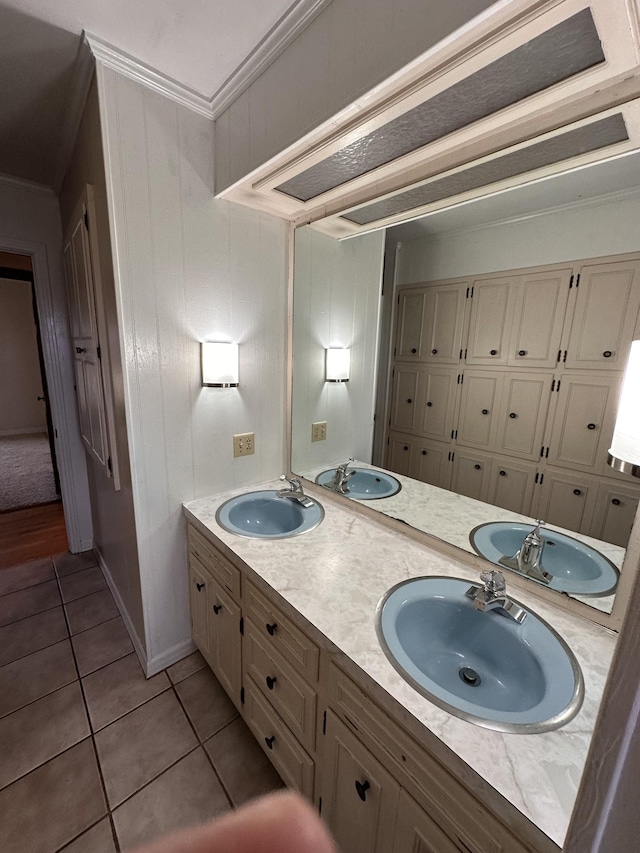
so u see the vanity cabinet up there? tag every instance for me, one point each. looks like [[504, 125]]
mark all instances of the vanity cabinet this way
[[614, 513]]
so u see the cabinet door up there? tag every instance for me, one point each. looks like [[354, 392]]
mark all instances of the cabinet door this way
[[437, 403], [567, 499], [583, 422], [404, 405], [198, 580], [471, 474], [606, 305], [224, 639], [399, 454], [409, 337], [416, 832], [443, 322], [523, 414], [479, 409], [614, 513], [431, 464], [490, 321], [511, 485], [539, 312], [360, 799]]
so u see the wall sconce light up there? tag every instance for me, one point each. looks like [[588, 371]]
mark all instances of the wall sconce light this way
[[337, 364], [219, 364], [624, 453]]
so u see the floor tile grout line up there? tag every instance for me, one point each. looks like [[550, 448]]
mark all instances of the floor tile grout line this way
[[56, 577], [62, 601], [92, 735]]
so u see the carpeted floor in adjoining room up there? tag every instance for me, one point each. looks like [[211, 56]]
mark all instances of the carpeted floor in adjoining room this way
[[26, 471]]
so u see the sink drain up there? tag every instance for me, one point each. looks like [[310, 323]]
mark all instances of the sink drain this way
[[469, 676]]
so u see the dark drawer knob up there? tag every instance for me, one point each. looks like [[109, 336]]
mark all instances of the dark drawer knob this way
[[607, 353], [616, 501], [591, 426], [503, 473], [81, 349], [429, 405], [434, 352], [271, 629], [41, 398], [270, 741], [513, 415], [494, 352], [406, 447], [522, 352], [199, 586], [362, 788], [414, 350], [270, 681], [217, 608], [478, 467], [485, 411], [577, 492], [424, 452], [409, 400]]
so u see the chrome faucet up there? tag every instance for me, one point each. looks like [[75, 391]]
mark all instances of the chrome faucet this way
[[295, 491], [341, 477], [492, 595], [527, 558]]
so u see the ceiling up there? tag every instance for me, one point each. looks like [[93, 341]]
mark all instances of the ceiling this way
[[198, 43]]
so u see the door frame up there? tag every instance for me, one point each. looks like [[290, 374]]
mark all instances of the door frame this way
[[55, 336]]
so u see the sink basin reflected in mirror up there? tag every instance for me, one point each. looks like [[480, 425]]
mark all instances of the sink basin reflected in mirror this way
[[574, 567], [364, 484], [265, 515], [482, 666]]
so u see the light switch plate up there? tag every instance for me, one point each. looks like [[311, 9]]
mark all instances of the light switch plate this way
[[244, 444], [319, 431]]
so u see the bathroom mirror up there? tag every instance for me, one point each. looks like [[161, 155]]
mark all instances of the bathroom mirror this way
[[345, 296]]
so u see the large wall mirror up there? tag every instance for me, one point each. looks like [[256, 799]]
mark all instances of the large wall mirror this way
[[371, 293]]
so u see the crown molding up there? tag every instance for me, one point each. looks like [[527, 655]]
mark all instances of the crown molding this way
[[286, 30], [28, 186], [118, 60]]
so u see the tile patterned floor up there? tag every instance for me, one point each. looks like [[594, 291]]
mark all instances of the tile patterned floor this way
[[93, 756]]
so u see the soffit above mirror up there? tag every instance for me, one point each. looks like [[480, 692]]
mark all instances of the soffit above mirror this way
[[525, 71]]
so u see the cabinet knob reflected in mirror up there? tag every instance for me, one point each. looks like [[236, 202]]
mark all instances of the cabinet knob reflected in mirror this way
[[414, 351], [616, 501], [406, 447], [424, 452], [503, 473], [577, 491], [362, 788], [494, 352], [513, 415], [429, 405], [485, 411], [591, 426], [409, 400], [434, 352], [522, 352], [478, 467], [607, 353]]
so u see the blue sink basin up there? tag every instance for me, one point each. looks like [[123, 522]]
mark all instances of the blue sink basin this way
[[264, 515], [574, 567], [481, 666], [366, 484]]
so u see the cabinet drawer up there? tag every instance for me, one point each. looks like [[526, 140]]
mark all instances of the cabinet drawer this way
[[281, 685], [279, 632], [459, 814], [287, 756], [223, 571]]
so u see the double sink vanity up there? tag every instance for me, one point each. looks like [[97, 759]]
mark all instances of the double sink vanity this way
[[421, 707]]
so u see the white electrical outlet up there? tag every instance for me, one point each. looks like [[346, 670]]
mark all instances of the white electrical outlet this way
[[319, 431], [244, 444]]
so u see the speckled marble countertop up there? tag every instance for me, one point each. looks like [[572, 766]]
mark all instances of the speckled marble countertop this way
[[334, 577]]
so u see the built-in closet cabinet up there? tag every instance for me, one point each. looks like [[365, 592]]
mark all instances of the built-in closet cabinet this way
[[520, 410]]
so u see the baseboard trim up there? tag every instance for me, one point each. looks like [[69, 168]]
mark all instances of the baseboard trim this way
[[170, 656], [7, 433], [133, 634]]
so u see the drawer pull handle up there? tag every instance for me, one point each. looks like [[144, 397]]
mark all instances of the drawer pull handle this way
[[591, 426], [271, 680], [406, 447], [494, 352], [217, 608], [362, 788], [270, 741], [199, 586], [616, 501], [485, 411], [477, 467], [414, 350], [271, 629], [424, 452], [409, 400], [607, 353], [503, 473], [434, 352], [577, 492], [522, 352], [429, 405]]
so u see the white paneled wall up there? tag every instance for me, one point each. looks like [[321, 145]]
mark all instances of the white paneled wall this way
[[187, 268], [348, 49], [336, 303], [607, 227]]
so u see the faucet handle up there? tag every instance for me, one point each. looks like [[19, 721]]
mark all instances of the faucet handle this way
[[294, 482], [494, 581]]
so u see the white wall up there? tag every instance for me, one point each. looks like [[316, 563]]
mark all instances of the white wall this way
[[348, 49], [30, 224], [20, 380], [584, 231], [336, 303], [187, 268]]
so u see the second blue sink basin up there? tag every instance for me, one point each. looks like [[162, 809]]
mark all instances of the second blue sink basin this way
[[366, 484]]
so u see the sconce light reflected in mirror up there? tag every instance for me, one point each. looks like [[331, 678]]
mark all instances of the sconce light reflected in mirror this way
[[624, 453], [337, 365], [219, 364]]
